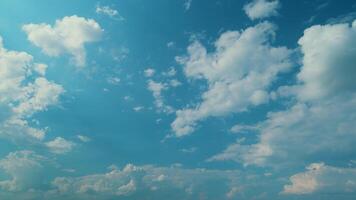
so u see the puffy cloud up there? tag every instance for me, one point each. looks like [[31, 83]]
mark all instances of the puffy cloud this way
[[322, 178], [24, 168], [329, 61], [20, 97], [15, 66], [68, 35], [239, 73], [60, 145], [321, 119], [38, 96], [258, 9]]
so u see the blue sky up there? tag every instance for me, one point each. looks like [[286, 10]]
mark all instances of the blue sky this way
[[180, 99]]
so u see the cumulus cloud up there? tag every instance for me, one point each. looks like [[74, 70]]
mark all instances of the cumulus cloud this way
[[239, 73], [67, 36], [328, 62], [319, 177], [24, 168], [258, 9], [38, 96], [320, 121], [60, 145], [20, 96]]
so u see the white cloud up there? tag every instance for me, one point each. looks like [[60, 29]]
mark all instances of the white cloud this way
[[83, 138], [171, 72], [60, 145], [38, 96], [189, 150], [175, 83], [68, 35], [149, 72], [24, 168], [21, 97], [322, 178], [328, 62], [113, 80], [320, 121], [15, 66], [138, 108], [156, 88], [106, 10], [258, 9], [151, 181], [41, 68], [239, 72]]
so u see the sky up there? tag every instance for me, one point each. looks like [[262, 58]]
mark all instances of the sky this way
[[179, 100]]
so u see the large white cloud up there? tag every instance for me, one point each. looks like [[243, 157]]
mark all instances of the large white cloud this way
[[319, 177], [258, 9], [321, 121], [329, 61], [20, 97], [68, 35], [14, 68], [239, 73]]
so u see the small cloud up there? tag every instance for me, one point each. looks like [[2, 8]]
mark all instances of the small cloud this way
[[258, 9], [189, 150], [138, 108], [60, 145], [175, 83], [83, 138], [127, 98], [171, 72], [106, 10], [170, 44], [113, 80], [149, 72]]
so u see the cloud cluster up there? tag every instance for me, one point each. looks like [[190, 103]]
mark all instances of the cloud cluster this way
[[67, 36], [152, 182], [239, 73], [321, 119]]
